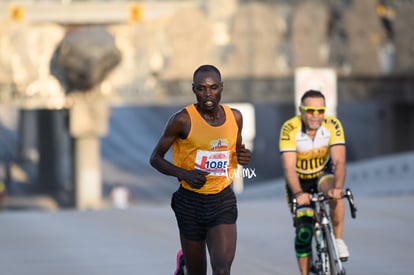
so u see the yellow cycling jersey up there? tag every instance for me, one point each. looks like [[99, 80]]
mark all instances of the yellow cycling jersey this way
[[312, 154]]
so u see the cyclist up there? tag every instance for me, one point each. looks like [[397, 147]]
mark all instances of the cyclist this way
[[312, 147]]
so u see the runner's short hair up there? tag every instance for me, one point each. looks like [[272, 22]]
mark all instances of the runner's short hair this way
[[206, 68]]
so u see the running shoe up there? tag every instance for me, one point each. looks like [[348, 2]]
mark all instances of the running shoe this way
[[342, 250], [180, 269]]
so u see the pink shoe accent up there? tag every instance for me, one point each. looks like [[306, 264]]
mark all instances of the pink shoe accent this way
[[179, 254]]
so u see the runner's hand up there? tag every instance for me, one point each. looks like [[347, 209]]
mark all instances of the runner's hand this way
[[195, 178], [243, 156]]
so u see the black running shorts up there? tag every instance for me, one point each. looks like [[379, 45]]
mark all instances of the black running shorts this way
[[196, 213]]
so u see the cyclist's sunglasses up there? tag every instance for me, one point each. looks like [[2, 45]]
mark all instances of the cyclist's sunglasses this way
[[313, 110]]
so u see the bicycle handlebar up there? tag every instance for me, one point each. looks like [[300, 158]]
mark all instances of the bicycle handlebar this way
[[351, 202], [320, 197]]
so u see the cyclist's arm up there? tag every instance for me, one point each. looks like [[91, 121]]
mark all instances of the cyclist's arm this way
[[289, 170], [292, 179], [338, 156]]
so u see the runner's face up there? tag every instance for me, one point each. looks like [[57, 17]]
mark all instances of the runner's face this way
[[313, 120], [208, 87]]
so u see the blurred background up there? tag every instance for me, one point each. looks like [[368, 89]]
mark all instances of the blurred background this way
[[87, 86]]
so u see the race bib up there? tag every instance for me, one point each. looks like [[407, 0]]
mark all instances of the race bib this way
[[215, 163]]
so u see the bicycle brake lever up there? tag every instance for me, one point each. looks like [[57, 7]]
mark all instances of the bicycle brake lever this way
[[352, 206], [294, 205]]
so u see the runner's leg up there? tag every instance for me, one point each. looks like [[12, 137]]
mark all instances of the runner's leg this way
[[195, 256], [221, 243]]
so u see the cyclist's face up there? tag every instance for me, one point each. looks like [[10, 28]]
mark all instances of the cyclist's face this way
[[207, 88], [313, 120]]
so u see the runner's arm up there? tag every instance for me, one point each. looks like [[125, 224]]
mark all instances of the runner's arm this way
[[243, 153], [177, 127]]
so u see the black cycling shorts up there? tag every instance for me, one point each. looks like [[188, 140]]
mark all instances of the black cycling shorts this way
[[197, 213], [308, 186]]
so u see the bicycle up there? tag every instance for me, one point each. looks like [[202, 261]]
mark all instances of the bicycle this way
[[325, 259]]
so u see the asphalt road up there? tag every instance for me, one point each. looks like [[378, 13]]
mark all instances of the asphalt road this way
[[144, 240]]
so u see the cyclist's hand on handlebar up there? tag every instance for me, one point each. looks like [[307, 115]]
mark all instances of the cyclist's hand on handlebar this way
[[336, 193], [303, 198]]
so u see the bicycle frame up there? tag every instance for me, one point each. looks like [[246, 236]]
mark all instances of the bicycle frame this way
[[325, 257], [327, 260]]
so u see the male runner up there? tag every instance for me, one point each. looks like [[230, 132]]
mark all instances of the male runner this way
[[206, 147]]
